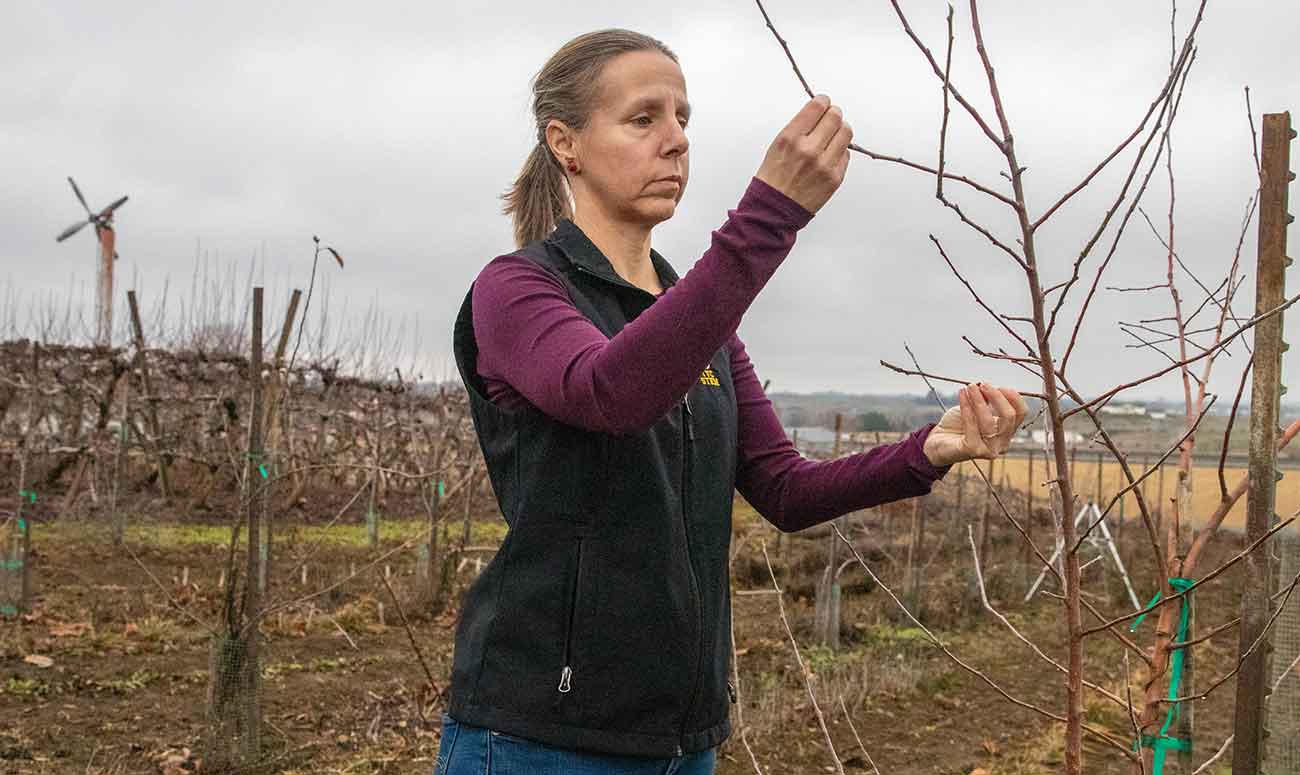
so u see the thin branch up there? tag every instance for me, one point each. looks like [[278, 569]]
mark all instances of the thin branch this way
[[1123, 224], [1295, 663], [934, 639], [1227, 430], [926, 375], [1150, 470], [857, 737], [1132, 716], [974, 114], [1254, 138], [984, 597], [1163, 601], [1161, 98], [1192, 359], [1024, 342], [943, 129], [880, 156], [407, 625], [1268, 626], [803, 671]]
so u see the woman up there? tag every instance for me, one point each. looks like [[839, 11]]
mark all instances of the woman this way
[[618, 413]]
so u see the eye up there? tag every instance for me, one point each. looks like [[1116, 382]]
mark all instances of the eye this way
[[642, 118]]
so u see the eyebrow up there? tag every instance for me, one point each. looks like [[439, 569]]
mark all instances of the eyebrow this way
[[646, 102]]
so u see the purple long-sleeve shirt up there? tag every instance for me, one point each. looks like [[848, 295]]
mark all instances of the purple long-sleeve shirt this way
[[536, 347]]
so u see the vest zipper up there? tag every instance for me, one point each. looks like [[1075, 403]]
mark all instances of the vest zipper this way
[[566, 674], [688, 430]]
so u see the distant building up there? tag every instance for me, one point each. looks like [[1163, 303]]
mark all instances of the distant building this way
[[812, 437], [1041, 438], [1130, 409]]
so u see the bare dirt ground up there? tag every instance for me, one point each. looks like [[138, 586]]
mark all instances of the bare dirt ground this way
[[124, 689]]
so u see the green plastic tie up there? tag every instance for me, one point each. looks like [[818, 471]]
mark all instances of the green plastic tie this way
[[442, 489], [22, 525], [257, 458], [8, 610], [1162, 743], [30, 495]]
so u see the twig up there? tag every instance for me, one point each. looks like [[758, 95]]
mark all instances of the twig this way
[[849, 718], [974, 114], [803, 671], [943, 130], [1166, 600], [1295, 663], [934, 639], [927, 375], [1268, 626], [1025, 343], [1227, 430], [407, 625], [1150, 470], [735, 666], [339, 627], [988, 606], [1192, 359], [1163, 97], [1132, 716]]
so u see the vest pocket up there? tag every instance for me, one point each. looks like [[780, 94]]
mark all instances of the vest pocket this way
[[570, 627]]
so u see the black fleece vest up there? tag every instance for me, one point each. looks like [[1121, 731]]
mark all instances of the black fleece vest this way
[[603, 621]]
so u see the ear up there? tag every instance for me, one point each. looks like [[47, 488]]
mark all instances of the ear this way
[[561, 140]]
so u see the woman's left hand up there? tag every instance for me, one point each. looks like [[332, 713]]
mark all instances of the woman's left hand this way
[[980, 427]]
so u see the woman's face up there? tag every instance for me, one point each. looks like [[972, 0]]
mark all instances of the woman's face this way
[[634, 138]]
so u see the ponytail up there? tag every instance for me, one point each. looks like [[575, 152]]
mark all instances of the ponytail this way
[[539, 197]]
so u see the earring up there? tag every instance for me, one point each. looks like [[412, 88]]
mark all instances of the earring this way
[[573, 166]]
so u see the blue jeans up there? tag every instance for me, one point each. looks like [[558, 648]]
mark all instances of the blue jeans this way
[[470, 750]]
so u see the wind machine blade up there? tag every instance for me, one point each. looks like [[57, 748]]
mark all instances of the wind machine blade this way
[[80, 198], [73, 229]]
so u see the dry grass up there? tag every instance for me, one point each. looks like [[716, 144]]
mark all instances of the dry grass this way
[[1205, 486]]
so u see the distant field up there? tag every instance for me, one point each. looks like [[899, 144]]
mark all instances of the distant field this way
[[1205, 486]]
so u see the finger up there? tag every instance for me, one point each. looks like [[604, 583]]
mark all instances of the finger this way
[[830, 123], [970, 427], [1008, 423], [1022, 409], [838, 143], [807, 118], [983, 412], [1002, 407], [951, 420]]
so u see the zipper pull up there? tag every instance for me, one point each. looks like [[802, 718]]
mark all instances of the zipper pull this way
[[731, 692], [565, 675]]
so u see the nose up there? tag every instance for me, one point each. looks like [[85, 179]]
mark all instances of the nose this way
[[677, 140]]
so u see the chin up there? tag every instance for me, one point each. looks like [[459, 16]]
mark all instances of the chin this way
[[662, 210]]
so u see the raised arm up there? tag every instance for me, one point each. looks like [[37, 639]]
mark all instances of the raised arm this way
[[532, 337], [793, 492]]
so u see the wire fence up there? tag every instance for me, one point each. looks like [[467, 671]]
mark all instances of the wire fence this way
[[1283, 756]]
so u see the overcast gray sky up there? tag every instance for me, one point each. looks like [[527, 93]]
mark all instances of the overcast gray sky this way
[[240, 129]]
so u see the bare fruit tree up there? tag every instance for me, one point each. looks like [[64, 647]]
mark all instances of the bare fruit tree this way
[[1042, 344]]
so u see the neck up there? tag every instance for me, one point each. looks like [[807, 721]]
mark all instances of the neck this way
[[625, 244]]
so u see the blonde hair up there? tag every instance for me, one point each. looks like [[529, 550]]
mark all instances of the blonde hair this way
[[564, 89]]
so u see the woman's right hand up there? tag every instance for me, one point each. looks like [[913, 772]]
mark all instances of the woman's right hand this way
[[809, 157]]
